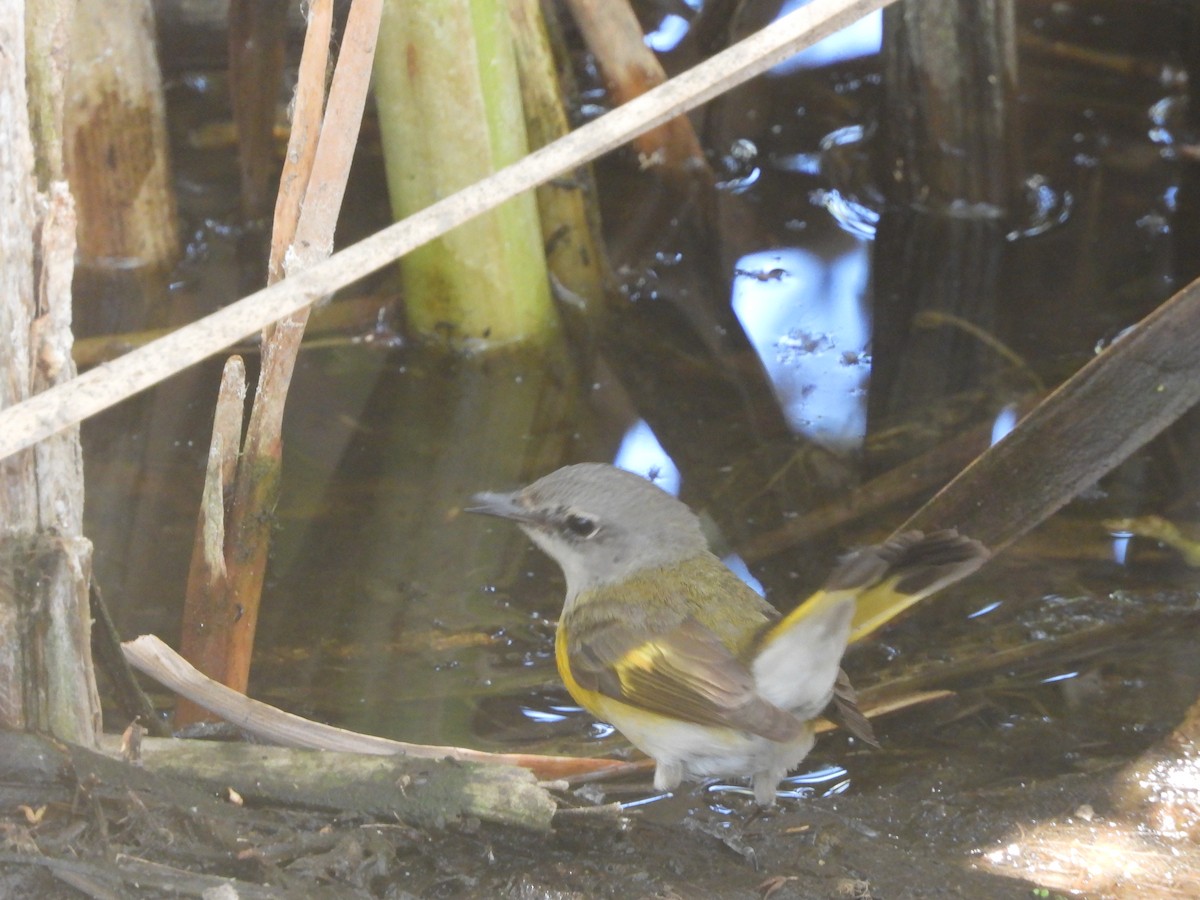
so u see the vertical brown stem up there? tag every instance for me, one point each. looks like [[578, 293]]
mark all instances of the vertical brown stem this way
[[230, 562], [257, 29], [208, 608], [116, 161]]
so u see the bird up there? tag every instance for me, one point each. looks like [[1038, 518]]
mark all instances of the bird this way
[[662, 640]]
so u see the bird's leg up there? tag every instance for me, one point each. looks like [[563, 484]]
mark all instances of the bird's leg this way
[[667, 774], [765, 784]]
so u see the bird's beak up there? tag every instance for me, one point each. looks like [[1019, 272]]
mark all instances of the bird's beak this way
[[503, 506]]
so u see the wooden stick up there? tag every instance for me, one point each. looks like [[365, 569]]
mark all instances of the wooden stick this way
[[152, 657], [422, 792], [220, 608], [208, 607], [304, 134], [630, 69], [49, 412]]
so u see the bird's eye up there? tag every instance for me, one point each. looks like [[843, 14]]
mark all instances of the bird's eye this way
[[580, 525]]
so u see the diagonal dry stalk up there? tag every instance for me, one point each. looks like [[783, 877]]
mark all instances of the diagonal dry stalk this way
[[55, 409]]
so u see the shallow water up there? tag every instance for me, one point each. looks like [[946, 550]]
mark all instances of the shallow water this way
[[737, 368]]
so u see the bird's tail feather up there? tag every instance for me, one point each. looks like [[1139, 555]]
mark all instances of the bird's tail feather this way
[[798, 658]]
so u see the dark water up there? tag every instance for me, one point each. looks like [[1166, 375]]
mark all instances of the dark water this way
[[738, 369]]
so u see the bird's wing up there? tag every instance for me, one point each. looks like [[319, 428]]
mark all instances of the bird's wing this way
[[682, 671]]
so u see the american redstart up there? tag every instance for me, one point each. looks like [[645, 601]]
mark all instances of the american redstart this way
[[659, 638]]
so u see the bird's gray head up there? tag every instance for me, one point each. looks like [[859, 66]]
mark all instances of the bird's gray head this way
[[599, 523]]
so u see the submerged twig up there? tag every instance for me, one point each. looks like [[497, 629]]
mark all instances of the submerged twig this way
[[107, 644], [932, 318], [916, 476]]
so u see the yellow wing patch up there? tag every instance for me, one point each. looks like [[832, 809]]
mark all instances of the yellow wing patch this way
[[685, 674]]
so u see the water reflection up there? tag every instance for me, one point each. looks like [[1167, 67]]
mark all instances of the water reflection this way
[[646, 801], [854, 216], [860, 39], [1004, 422], [738, 566], [666, 37], [1120, 546], [828, 781], [810, 326], [1046, 207], [986, 609], [1064, 676], [641, 452]]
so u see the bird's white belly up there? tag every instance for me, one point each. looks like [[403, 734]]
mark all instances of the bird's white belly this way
[[703, 751]]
